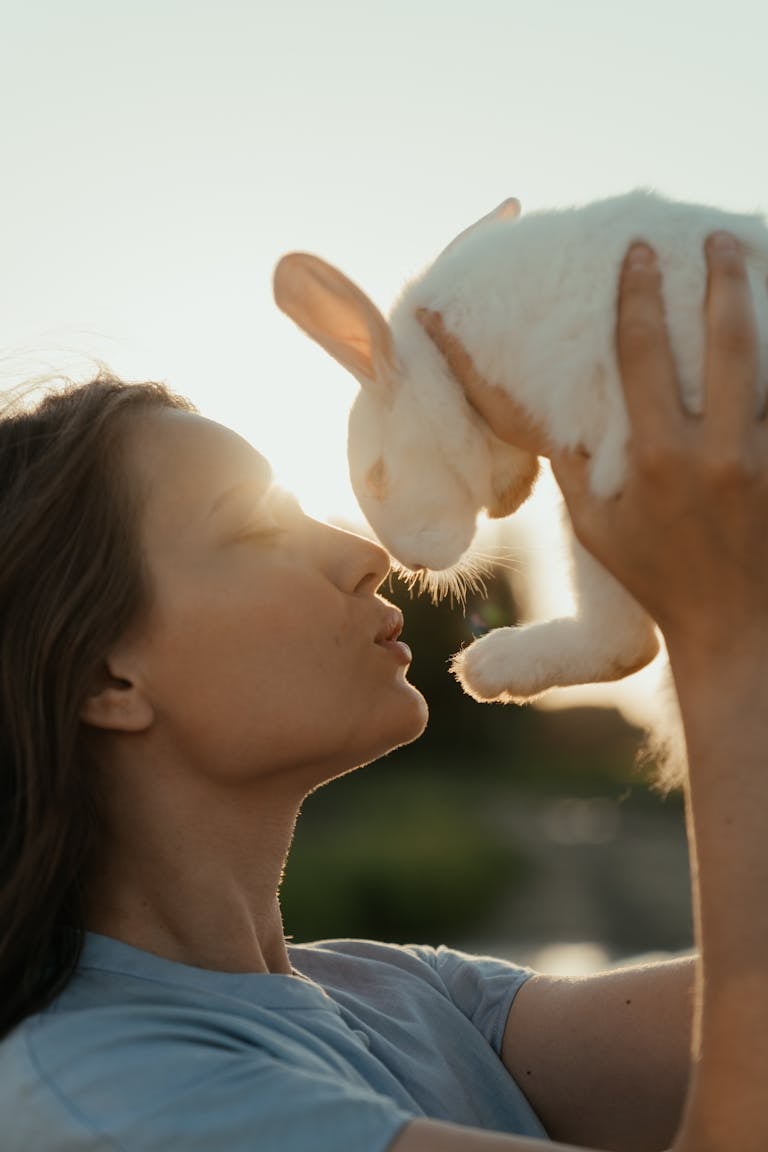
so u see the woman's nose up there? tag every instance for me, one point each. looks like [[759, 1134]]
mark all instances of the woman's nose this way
[[360, 565]]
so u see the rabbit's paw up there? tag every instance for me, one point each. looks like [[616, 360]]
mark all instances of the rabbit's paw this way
[[491, 669]]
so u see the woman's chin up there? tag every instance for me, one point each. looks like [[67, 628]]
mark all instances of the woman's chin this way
[[378, 736], [402, 725], [409, 722]]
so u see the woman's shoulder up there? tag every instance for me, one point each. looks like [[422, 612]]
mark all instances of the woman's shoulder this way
[[481, 988], [138, 1050], [136, 1042], [437, 965]]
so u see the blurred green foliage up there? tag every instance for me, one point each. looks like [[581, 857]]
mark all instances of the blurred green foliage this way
[[400, 861]]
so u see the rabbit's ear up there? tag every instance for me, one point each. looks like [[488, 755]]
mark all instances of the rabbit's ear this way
[[509, 209], [338, 315]]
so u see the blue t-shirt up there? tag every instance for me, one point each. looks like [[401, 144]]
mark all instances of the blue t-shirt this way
[[141, 1054]]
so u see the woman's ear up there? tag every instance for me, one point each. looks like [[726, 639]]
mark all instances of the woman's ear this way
[[116, 704]]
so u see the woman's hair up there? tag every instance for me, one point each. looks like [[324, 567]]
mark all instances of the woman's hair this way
[[71, 581]]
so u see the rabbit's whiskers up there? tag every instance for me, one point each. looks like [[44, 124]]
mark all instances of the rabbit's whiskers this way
[[496, 559], [466, 576]]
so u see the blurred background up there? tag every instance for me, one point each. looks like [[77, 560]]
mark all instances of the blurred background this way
[[159, 156]]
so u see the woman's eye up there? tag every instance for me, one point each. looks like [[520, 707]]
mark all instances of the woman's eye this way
[[277, 517], [265, 533]]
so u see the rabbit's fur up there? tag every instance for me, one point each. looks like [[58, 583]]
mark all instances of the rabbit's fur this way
[[533, 301]]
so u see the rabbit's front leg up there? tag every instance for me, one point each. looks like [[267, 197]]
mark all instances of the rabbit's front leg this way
[[609, 637]]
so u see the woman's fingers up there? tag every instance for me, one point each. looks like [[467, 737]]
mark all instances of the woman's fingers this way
[[731, 356], [646, 362]]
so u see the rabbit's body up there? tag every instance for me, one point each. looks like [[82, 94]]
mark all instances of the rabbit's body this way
[[533, 301]]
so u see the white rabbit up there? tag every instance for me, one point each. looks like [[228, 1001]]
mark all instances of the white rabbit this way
[[533, 301]]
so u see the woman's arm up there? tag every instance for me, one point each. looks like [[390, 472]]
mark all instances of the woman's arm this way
[[687, 537], [697, 493], [604, 1059]]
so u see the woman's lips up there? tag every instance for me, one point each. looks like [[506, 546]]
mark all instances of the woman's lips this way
[[398, 648], [391, 626], [387, 636]]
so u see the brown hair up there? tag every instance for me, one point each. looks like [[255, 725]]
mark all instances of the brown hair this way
[[71, 581]]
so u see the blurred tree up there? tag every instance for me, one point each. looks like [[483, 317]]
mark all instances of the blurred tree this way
[[404, 861]]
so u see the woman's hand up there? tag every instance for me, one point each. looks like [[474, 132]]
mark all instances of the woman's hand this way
[[686, 536]]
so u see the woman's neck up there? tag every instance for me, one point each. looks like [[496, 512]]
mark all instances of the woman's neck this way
[[192, 873]]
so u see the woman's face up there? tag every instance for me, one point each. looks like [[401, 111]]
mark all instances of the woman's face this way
[[266, 648]]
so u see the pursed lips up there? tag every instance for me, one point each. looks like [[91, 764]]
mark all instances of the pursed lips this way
[[391, 627], [387, 637]]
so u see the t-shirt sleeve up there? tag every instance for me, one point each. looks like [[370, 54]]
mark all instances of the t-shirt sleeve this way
[[483, 988]]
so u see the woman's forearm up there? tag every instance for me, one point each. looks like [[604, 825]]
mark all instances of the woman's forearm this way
[[724, 706]]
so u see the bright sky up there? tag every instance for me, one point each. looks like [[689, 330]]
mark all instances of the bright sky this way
[[158, 156]]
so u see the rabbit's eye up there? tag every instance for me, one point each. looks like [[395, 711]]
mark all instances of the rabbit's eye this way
[[376, 479]]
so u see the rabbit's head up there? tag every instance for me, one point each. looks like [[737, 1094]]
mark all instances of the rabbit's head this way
[[422, 462]]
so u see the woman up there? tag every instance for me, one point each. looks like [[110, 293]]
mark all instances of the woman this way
[[186, 655]]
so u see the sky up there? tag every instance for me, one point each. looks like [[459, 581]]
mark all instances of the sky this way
[[159, 156]]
